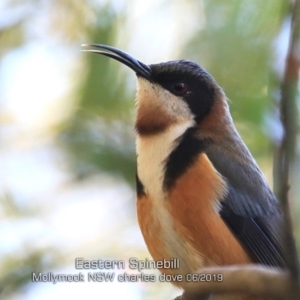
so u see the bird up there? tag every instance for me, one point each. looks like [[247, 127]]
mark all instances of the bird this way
[[201, 196]]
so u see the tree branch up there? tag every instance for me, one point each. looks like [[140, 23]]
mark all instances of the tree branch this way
[[289, 119], [254, 280]]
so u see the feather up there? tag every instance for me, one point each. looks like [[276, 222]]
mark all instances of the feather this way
[[250, 209]]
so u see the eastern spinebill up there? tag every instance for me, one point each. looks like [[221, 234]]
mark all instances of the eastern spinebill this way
[[200, 195]]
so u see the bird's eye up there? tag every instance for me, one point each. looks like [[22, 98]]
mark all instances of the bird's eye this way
[[180, 88]]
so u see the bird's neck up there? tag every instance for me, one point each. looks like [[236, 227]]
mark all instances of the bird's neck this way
[[218, 127], [153, 152]]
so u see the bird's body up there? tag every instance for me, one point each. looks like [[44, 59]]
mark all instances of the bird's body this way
[[171, 218], [200, 194]]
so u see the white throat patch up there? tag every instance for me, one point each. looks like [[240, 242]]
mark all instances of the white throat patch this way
[[152, 154]]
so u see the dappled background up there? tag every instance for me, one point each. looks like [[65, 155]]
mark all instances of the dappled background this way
[[67, 162]]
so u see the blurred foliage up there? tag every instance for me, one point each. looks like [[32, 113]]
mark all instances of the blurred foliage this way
[[99, 136], [9, 208], [17, 268], [235, 46]]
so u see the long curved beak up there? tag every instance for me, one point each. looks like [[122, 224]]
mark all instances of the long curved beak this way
[[138, 67]]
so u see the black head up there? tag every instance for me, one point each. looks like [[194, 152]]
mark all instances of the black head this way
[[189, 81], [182, 78]]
